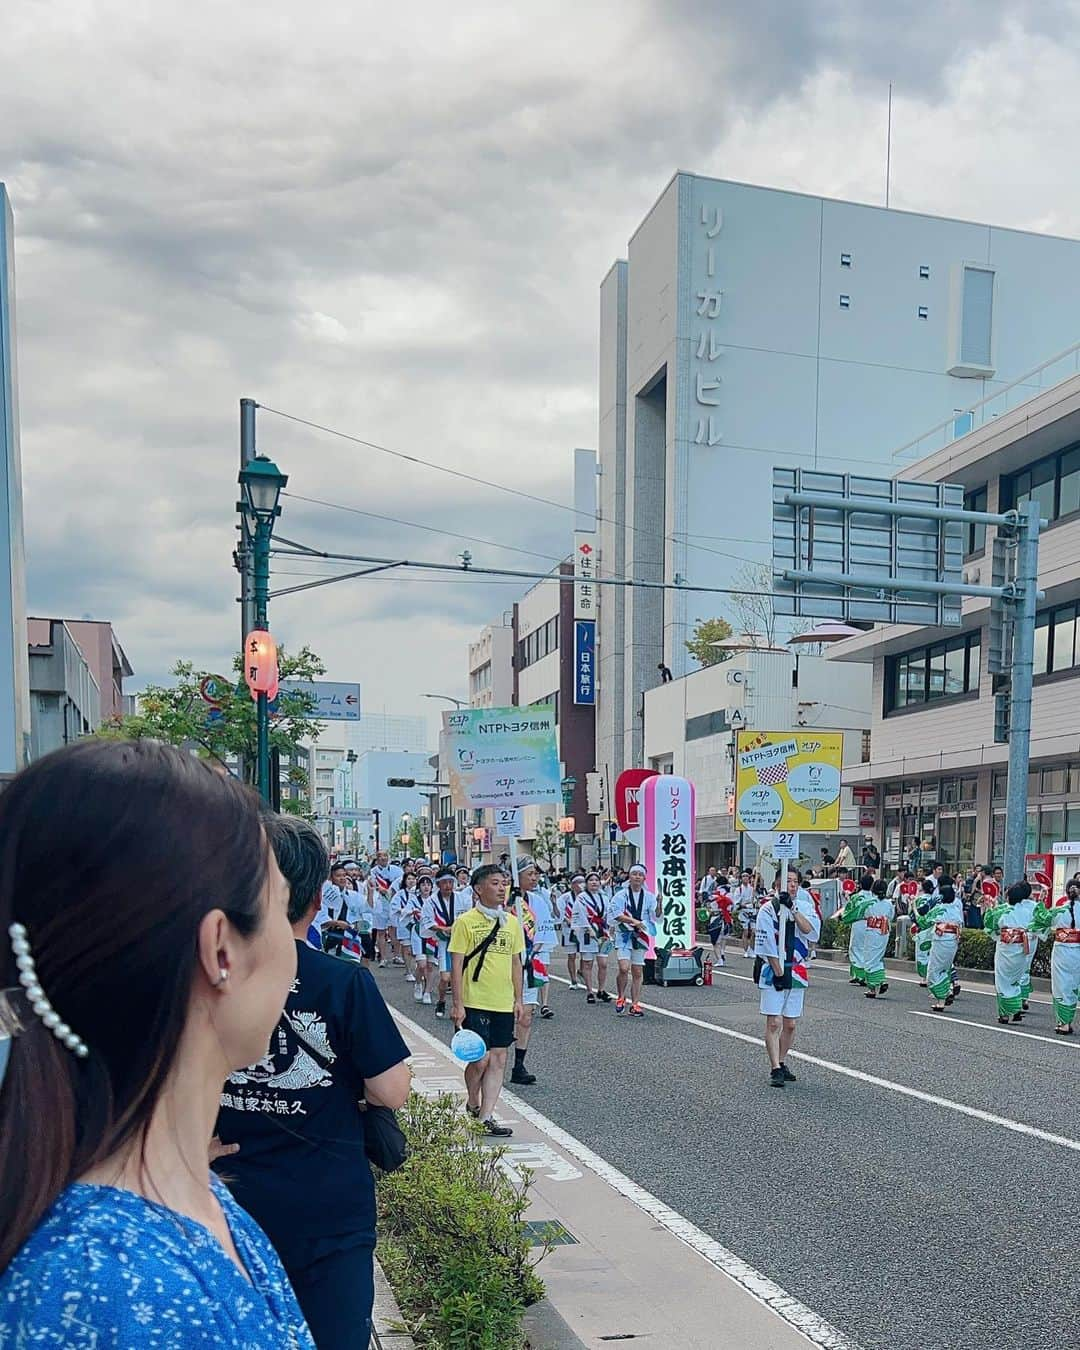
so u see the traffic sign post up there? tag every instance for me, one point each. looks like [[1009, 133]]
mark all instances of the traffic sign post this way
[[891, 551]]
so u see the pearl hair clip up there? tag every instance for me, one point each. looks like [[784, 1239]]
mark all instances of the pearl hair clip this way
[[35, 995]]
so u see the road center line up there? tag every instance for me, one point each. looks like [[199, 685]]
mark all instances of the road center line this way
[[988, 1117], [763, 1290], [1005, 1031]]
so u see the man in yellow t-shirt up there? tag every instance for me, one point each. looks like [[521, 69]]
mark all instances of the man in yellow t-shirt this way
[[486, 950]]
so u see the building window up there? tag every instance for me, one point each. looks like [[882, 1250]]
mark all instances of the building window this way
[[945, 670], [1055, 640], [708, 724], [845, 259], [845, 302], [924, 312], [864, 749], [549, 700], [974, 534], [541, 642], [976, 316], [1054, 482], [924, 272]]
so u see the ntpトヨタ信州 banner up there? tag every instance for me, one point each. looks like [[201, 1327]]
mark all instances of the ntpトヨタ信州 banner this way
[[501, 757], [788, 780]]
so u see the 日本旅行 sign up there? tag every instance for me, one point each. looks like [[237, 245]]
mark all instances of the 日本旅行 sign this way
[[668, 817], [501, 757], [788, 780]]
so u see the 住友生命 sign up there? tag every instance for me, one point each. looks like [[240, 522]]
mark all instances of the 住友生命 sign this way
[[788, 780], [585, 576]]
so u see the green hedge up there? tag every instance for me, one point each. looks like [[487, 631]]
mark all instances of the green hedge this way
[[450, 1234]]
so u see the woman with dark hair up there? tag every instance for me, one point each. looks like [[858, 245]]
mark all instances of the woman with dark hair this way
[[129, 996]]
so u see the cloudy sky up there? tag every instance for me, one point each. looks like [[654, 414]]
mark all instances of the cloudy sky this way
[[394, 220]]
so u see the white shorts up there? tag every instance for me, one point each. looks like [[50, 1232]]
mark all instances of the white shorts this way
[[782, 1002], [444, 956], [587, 944], [417, 943], [379, 923], [403, 934], [530, 997], [635, 955]]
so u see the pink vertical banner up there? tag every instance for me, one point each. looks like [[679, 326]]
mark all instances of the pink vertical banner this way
[[668, 816]]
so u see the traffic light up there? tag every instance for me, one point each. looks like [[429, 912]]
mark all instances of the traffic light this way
[[401, 782]]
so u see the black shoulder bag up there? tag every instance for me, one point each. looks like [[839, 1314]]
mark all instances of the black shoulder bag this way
[[480, 951], [385, 1145]]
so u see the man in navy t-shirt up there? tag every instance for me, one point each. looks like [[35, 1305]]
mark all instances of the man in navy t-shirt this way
[[301, 1171]]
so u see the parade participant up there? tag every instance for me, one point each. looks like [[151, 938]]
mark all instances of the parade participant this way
[[878, 917], [924, 935], [744, 902], [636, 911], [566, 904], [720, 924], [487, 948], [425, 940], [129, 996], [854, 915], [590, 924], [536, 924], [785, 925], [404, 912], [444, 907], [387, 878], [944, 920], [1063, 923], [1010, 925], [334, 1045], [380, 919]]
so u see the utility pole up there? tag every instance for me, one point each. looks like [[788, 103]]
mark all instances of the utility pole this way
[[1026, 594], [243, 552], [375, 812]]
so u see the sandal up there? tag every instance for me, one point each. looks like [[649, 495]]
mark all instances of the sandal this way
[[1063, 1030], [937, 1007]]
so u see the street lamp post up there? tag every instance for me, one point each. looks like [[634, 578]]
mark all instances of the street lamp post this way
[[261, 484], [406, 825], [457, 702]]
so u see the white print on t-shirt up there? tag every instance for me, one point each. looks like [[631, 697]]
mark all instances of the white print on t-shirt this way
[[303, 1071]]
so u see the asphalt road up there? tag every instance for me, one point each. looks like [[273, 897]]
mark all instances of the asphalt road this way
[[903, 1221]]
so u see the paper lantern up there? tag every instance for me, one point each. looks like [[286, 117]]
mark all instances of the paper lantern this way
[[260, 663], [566, 824]]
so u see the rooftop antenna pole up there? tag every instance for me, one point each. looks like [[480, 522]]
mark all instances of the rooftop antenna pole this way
[[888, 148]]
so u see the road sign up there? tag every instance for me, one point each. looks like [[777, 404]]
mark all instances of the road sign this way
[[355, 813], [333, 702], [785, 845], [816, 532], [788, 780], [508, 821]]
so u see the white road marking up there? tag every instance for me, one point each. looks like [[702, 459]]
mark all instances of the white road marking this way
[[985, 1026], [763, 1290], [1016, 1126]]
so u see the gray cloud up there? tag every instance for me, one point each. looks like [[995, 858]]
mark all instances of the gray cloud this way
[[394, 222]]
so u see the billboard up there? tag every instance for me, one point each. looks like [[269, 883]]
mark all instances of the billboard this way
[[585, 662], [502, 757], [788, 780]]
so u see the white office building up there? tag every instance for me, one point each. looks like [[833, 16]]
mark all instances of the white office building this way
[[749, 328]]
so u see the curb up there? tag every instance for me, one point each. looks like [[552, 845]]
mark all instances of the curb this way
[[386, 1319]]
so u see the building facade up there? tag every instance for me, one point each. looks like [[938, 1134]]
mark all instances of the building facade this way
[[107, 661], [749, 328], [690, 728], [936, 775], [65, 701], [386, 731], [15, 717], [491, 666]]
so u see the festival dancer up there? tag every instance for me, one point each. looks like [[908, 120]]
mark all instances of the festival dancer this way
[[590, 926], [854, 914], [635, 911], [924, 931], [565, 919], [1010, 924], [945, 920], [878, 917], [1063, 921]]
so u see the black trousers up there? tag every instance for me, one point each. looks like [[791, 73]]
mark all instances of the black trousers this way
[[336, 1294]]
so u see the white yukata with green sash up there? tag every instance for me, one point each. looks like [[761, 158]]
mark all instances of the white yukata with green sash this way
[[944, 923], [1010, 926]]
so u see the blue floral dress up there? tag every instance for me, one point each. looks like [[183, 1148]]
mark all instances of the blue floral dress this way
[[106, 1269]]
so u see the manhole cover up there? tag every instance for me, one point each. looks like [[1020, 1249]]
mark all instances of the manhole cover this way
[[549, 1232]]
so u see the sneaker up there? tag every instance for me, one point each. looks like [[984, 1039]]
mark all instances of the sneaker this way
[[382, 965], [410, 978], [777, 1078], [590, 998], [398, 961], [789, 1077], [523, 1076], [720, 961], [418, 993], [604, 996], [1024, 1006], [747, 953], [440, 1008], [492, 1126], [620, 1005], [546, 1012], [427, 1000], [473, 1111], [637, 1010]]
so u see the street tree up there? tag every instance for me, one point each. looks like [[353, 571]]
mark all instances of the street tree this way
[[752, 603], [702, 641], [548, 844], [205, 712], [417, 843]]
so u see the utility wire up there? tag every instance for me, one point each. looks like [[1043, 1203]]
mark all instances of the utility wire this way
[[485, 482]]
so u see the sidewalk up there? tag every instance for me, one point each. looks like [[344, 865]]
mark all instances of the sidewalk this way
[[611, 1232]]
